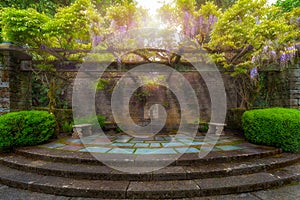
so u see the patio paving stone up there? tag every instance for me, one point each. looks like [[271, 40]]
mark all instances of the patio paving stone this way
[[158, 144], [141, 145], [122, 151], [189, 150]]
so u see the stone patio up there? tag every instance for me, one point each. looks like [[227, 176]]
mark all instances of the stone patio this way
[[160, 144]]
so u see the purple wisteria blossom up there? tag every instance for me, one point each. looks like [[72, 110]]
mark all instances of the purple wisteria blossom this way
[[288, 55], [186, 16], [119, 62], [122, 29], [253, 73], [254, 59], [97, 40], [200, 21], [186, 23], [193, 26], [257, 20], [212, 20], [113, 24]]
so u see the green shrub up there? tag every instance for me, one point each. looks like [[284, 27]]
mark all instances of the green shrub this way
[[25, 128], [278, 127], [64, 118]]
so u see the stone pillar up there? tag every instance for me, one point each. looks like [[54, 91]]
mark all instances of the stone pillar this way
[[294, 83], [15, 84], [4, 87]]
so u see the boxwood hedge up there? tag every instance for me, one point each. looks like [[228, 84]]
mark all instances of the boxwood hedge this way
[[278, 127], [25, 128]]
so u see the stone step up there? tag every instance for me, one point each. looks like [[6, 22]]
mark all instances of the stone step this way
[[101, 172], [184, 160], [148, 189]]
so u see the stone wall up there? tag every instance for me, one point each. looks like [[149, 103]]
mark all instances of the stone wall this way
[[281, 88], [144, 98]]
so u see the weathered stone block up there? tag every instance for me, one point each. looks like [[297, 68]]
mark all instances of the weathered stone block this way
[[81, 130]]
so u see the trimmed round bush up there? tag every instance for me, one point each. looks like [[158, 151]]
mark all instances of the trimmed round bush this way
[[25, 128], [277, 127]]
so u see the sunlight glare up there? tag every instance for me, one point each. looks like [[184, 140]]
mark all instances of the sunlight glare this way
[[152, 5]]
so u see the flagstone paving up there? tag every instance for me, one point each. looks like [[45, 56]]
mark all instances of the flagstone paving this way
[[160, 144]]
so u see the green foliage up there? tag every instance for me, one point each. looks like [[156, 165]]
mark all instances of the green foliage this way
[[101, 120], [206, 12], [67, 127], [245, 29], [45, 6], [72, 25], [40, 91], [278, 127], [70, 28], [208, 9], [102, 84], [225, 4], [186, 5], [102, 5], [294, 18], [64, 117], [167, 15], [288, 5], [23, 27], [123, 16], [26, 128]]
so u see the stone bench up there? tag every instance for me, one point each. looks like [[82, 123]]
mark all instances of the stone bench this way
[[81, 130], [216, 128]]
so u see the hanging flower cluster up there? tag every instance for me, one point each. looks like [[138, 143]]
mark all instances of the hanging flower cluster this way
[[253, 73], [271, 56], [198, 27], [288, 55]]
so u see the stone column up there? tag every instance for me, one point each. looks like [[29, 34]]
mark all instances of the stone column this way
[[4, 86], [294, 83], [15, 84]]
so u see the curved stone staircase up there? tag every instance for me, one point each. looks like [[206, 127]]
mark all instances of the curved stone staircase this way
[[80, 175]]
